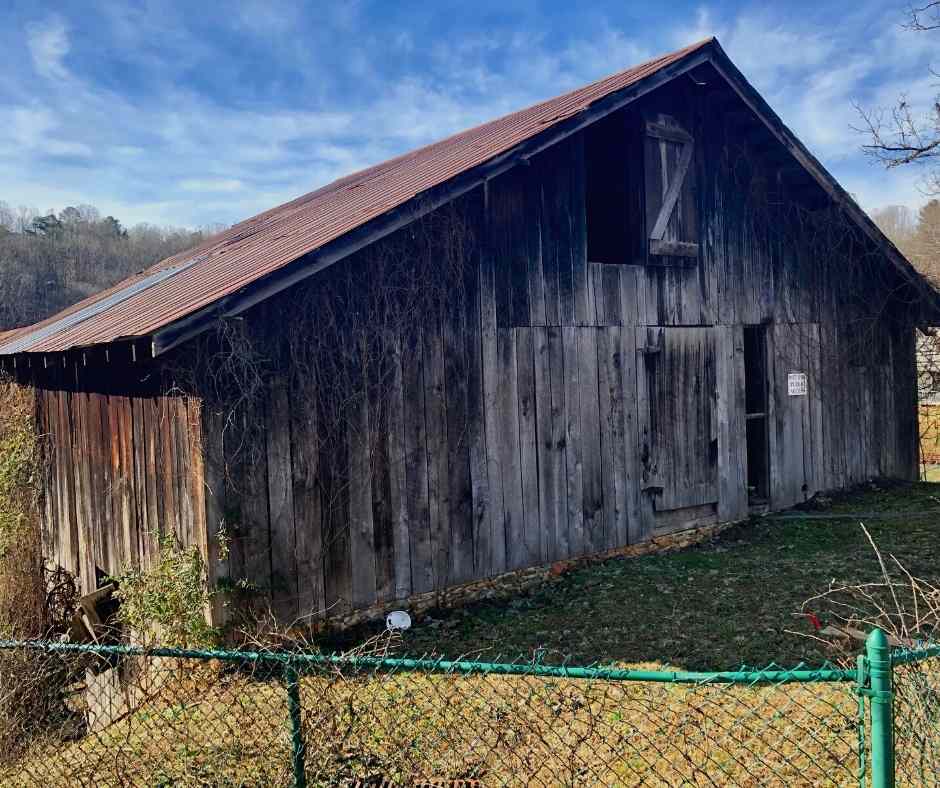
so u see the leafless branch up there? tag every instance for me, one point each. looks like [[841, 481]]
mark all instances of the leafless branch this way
[[924, 17]]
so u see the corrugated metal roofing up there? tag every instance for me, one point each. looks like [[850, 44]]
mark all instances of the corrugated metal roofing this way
[[250, 250]]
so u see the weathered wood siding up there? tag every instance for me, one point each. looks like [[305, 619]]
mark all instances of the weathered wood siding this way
[[578, 405], [123, 471]]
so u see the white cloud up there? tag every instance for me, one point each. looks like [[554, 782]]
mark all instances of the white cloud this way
[[48, 43], [211, 185], [65, 148], [36, 128], [704, 27], [208, 156]]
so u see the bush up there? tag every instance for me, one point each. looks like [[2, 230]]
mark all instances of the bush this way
[[31, 699], [22, 585], [168, 600]]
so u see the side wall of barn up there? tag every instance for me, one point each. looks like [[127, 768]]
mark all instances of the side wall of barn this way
[[590, 394], [122, 469]]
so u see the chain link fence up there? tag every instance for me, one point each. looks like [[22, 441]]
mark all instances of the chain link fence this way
[[916, 698], [119, 716]]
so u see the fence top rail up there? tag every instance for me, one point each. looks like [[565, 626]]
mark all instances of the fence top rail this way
[[909, 656], [773, 674]]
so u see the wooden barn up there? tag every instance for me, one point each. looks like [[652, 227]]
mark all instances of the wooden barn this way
[[637, 308]]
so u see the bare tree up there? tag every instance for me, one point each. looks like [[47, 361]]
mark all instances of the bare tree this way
[[898, 223], [902, 134]]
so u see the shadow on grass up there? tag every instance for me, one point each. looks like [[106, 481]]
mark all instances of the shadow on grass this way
[[732, 600]]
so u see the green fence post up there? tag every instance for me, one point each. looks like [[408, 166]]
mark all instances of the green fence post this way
[[878, 656], [861, 688], [298, 747]]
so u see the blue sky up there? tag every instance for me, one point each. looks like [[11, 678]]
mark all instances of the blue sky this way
[[186, 113]]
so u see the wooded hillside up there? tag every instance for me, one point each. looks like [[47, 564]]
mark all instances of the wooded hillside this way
[[915, 234], [48, 262]]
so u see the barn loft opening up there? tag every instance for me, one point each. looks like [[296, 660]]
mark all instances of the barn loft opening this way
[[607, 177], [755, 413]]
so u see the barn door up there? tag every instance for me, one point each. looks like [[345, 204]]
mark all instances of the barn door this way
[[677, 418], [795, 413]]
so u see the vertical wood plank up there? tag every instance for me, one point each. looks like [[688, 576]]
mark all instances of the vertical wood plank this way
[[183, 448], [550, 482], [786, 419], [65, 459], [306, 496], [492, 550], [834, 384], [547, 229], [577, 231], [528, 447], [732, 438], [255, 526], [556, 241], [195, 421], [167, 469], [107, 557], [127, 478], [508, 451], [592, 459], [479, 298], [150, 419], [437, 454], [335, 463], [417, 499], [573, 444], [362, 544], [280, 491], [50, 541], [83, 493], [398, 477], [460, 495], [380, 395], [491, 541], [813, 433], [217, 530], [632, 465], [616, 478], [646, 338], [510, 219], [140, 480], [631, 312], [538, 289], [556, 471]]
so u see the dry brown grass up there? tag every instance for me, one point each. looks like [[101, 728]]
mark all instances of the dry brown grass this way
[[211, 727]]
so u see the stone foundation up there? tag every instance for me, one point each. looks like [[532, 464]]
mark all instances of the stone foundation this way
[[521, 580]]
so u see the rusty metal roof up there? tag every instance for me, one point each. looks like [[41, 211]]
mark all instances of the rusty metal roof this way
[[182, 287], [252, 249]]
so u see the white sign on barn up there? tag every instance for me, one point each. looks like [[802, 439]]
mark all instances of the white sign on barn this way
[[796, 384]]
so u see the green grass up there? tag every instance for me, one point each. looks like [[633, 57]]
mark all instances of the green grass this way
[[727, 601]]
